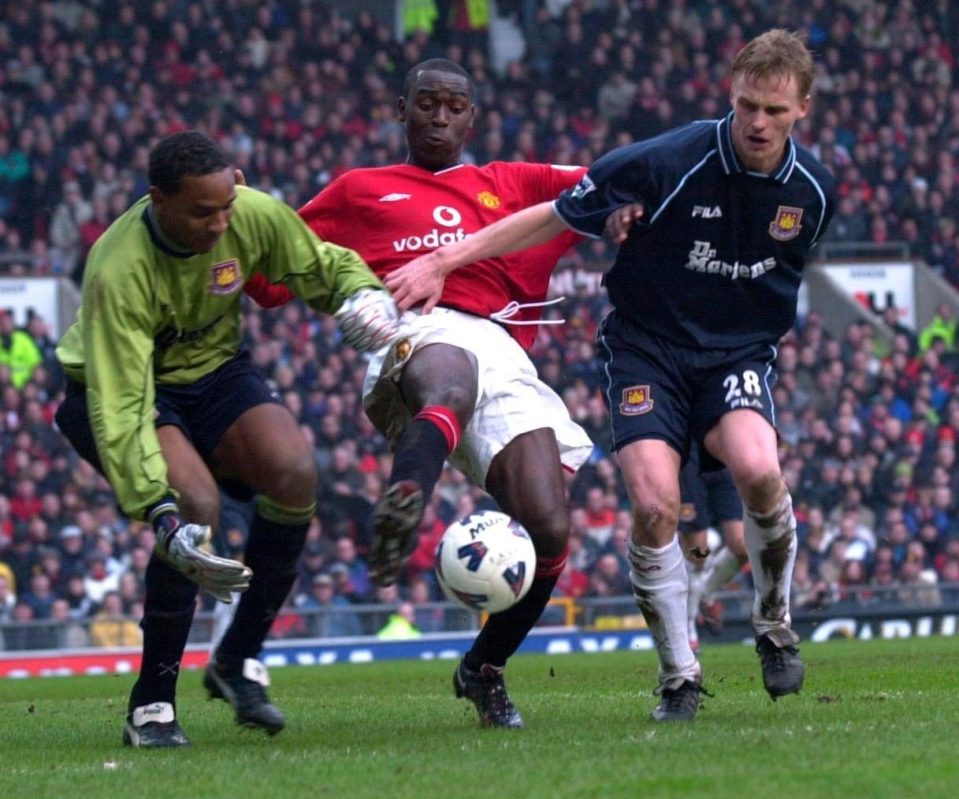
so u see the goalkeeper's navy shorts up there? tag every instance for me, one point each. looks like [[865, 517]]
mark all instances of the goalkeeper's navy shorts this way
[[203, 410]]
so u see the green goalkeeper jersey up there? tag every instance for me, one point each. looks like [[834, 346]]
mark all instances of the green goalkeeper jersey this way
[[151, 315]]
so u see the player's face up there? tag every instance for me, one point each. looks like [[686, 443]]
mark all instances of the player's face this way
[[765, 110], [198, 214], [438, 113]]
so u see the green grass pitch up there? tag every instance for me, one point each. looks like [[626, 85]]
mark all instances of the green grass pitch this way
[[876, 719]]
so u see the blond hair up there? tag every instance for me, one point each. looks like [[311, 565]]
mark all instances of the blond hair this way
[[777, 53]]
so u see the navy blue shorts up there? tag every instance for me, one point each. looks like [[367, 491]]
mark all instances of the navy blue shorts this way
[[706, 499], [660, 390], [203, 410]]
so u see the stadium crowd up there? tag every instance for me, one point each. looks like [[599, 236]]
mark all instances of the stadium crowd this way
[[297, 93]]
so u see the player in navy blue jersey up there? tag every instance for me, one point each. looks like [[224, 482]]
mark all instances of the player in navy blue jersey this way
[[715, 222]]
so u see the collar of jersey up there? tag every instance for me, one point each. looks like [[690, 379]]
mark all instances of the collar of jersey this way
[[160, 241], [731, 164]]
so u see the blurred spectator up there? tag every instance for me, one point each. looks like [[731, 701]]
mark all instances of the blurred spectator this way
[[7, 597], [70, 634], [98, 582], [337, 618], [941, 326], [111, 627], [18, 350], [69, 216], [400, 625]]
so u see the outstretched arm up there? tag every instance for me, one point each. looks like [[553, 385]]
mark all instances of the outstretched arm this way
[[421, 280]]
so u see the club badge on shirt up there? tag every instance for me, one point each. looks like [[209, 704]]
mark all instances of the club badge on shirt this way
[[488, 199], [226, 277], [786, 225]]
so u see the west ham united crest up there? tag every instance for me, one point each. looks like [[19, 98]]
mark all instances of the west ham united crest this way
[[226, 277], [636, 401], [786, 225]]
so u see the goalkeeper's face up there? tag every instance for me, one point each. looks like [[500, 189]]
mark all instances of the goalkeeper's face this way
[[197, 215]]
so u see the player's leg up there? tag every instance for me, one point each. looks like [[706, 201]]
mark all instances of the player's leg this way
[[693, 523], [438, 386], [746, 442], [658, 572], [517, 445], [726, 508], [264, 449], [170, 598], [695, 546], [649, 407], [526, 480]]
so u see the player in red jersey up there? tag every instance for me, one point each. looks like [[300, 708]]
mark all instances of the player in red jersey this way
[[464, 388]]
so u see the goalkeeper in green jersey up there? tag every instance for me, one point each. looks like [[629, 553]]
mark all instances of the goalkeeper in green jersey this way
[[164, 402]]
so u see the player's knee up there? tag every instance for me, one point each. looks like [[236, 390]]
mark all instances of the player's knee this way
[[458, 399], [761, 490], [550, 533], [656, 517], [294, 480]]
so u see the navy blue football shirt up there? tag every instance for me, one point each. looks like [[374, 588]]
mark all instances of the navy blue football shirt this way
[[717, 259]]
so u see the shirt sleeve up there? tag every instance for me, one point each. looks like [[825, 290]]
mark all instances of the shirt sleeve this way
[[619, 178], [117, 323], [322, 274]]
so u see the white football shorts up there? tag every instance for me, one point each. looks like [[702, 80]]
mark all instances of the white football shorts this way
[[511, 399]]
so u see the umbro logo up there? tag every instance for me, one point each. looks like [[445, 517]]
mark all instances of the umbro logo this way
[[707, 212], [392, 198]]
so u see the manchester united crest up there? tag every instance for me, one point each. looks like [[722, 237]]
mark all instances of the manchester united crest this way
[[488, 199], [636, 401], [786, 225], [226, 277]]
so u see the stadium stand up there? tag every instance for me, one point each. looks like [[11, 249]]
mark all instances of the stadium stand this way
[[299, 92]]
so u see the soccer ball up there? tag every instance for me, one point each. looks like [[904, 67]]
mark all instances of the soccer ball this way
[[486, 561]]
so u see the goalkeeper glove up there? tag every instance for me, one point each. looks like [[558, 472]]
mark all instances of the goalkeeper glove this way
[[186, 547], [368, 319]]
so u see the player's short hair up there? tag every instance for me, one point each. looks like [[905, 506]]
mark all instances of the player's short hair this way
[[435, 65], [188, 153], [777, 53]]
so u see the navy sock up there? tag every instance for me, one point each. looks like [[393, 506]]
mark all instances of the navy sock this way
[[272, 552], [503, 632], [167, 616], [420, 455]]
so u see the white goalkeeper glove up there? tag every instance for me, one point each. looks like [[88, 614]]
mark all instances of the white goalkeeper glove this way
[[186, 547], [368, 319]]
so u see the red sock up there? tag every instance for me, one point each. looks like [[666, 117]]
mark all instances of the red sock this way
[[445, 420], [552, 567]]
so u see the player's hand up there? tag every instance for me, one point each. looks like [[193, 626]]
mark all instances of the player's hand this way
[[368, 319], [419, 281], [619, 223], [186, 547]]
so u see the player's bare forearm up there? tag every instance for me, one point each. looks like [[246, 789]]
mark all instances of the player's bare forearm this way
[[421, 280]]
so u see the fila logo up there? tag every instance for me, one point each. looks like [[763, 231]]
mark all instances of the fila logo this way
[[706, 212], [392, 198]]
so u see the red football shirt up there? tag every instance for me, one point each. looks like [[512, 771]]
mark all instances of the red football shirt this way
[[390, 215]]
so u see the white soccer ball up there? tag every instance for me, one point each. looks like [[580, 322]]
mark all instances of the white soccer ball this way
[[486, 561]]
